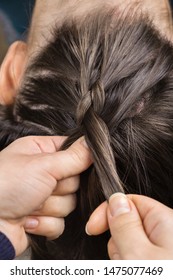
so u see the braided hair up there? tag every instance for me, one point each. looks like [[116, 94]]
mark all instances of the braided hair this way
[[108, 77]]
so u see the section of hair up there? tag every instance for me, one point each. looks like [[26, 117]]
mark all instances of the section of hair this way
[[108, 77]]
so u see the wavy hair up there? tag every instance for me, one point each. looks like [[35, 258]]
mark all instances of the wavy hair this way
[[108, 77]]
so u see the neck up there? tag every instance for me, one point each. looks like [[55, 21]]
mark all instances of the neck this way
[[48, 13]]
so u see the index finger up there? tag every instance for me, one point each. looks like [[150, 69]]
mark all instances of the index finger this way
[[98, 223]]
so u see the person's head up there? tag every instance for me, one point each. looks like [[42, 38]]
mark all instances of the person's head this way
[[108, 77]]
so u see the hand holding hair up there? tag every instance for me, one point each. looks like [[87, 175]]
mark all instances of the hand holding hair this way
[[141, 228], [40, 181]]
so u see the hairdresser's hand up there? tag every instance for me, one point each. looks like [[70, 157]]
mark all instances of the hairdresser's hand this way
[[141, 228], [31, 168], [38, 181]]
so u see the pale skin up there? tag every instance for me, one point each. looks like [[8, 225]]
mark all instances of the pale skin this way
[[141, 228], [36, 191], [11, 73], [56, 11]]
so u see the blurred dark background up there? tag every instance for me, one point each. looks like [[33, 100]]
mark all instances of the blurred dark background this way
[[15, 16], [18, 12]]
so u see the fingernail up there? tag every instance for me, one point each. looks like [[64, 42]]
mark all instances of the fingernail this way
[[118, 204], [31, 223], [86, 230]]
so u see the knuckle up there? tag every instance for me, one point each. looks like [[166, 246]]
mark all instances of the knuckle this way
[[68, 185]]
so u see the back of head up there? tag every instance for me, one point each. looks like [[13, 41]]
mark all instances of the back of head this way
[[108, 77]]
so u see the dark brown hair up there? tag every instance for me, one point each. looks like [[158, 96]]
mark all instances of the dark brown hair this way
[[110, 78]]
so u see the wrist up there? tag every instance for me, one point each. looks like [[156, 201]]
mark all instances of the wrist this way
[[7, 251], [14, 232]]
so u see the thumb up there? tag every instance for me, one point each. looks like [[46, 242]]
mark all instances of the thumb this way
[[126, 227], [67, 163]]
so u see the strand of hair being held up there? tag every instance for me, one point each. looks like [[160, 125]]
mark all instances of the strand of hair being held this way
[[98, 139]]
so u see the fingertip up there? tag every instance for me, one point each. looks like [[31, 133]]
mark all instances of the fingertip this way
[[87, 231], [119, 204], [97, 223]]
